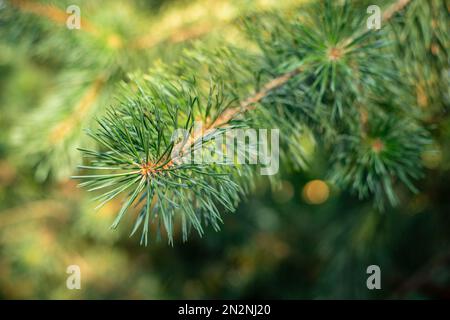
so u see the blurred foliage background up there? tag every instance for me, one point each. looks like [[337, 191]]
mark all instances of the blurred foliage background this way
[[304, 240]]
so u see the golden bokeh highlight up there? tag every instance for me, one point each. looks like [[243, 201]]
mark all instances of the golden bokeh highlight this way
[[316, 192]]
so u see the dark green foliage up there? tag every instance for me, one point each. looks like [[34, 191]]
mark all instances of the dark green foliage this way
[[388, 153]]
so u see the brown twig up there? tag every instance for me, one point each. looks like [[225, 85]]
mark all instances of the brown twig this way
[[394, 8], [231, 113], [51, 12], [79, 113]]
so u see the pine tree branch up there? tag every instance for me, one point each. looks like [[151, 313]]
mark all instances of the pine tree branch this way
[[395, 8], [63, 129], [51, 12], [142, 154], [232, 113], [279, 81], [248, 104], [387, 15]]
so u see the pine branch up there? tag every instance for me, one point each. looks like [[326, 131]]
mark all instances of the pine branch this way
[[248, 104], [284, 78], [80, 111], [232, 113], [394, 9], [338, 65], [51, 12]]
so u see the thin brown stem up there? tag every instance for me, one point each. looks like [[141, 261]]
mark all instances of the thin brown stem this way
[[51, 12], [394, 8], [65, 127], [232, 113]]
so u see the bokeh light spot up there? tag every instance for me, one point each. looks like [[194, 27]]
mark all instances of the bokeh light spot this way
[[316, 192]]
